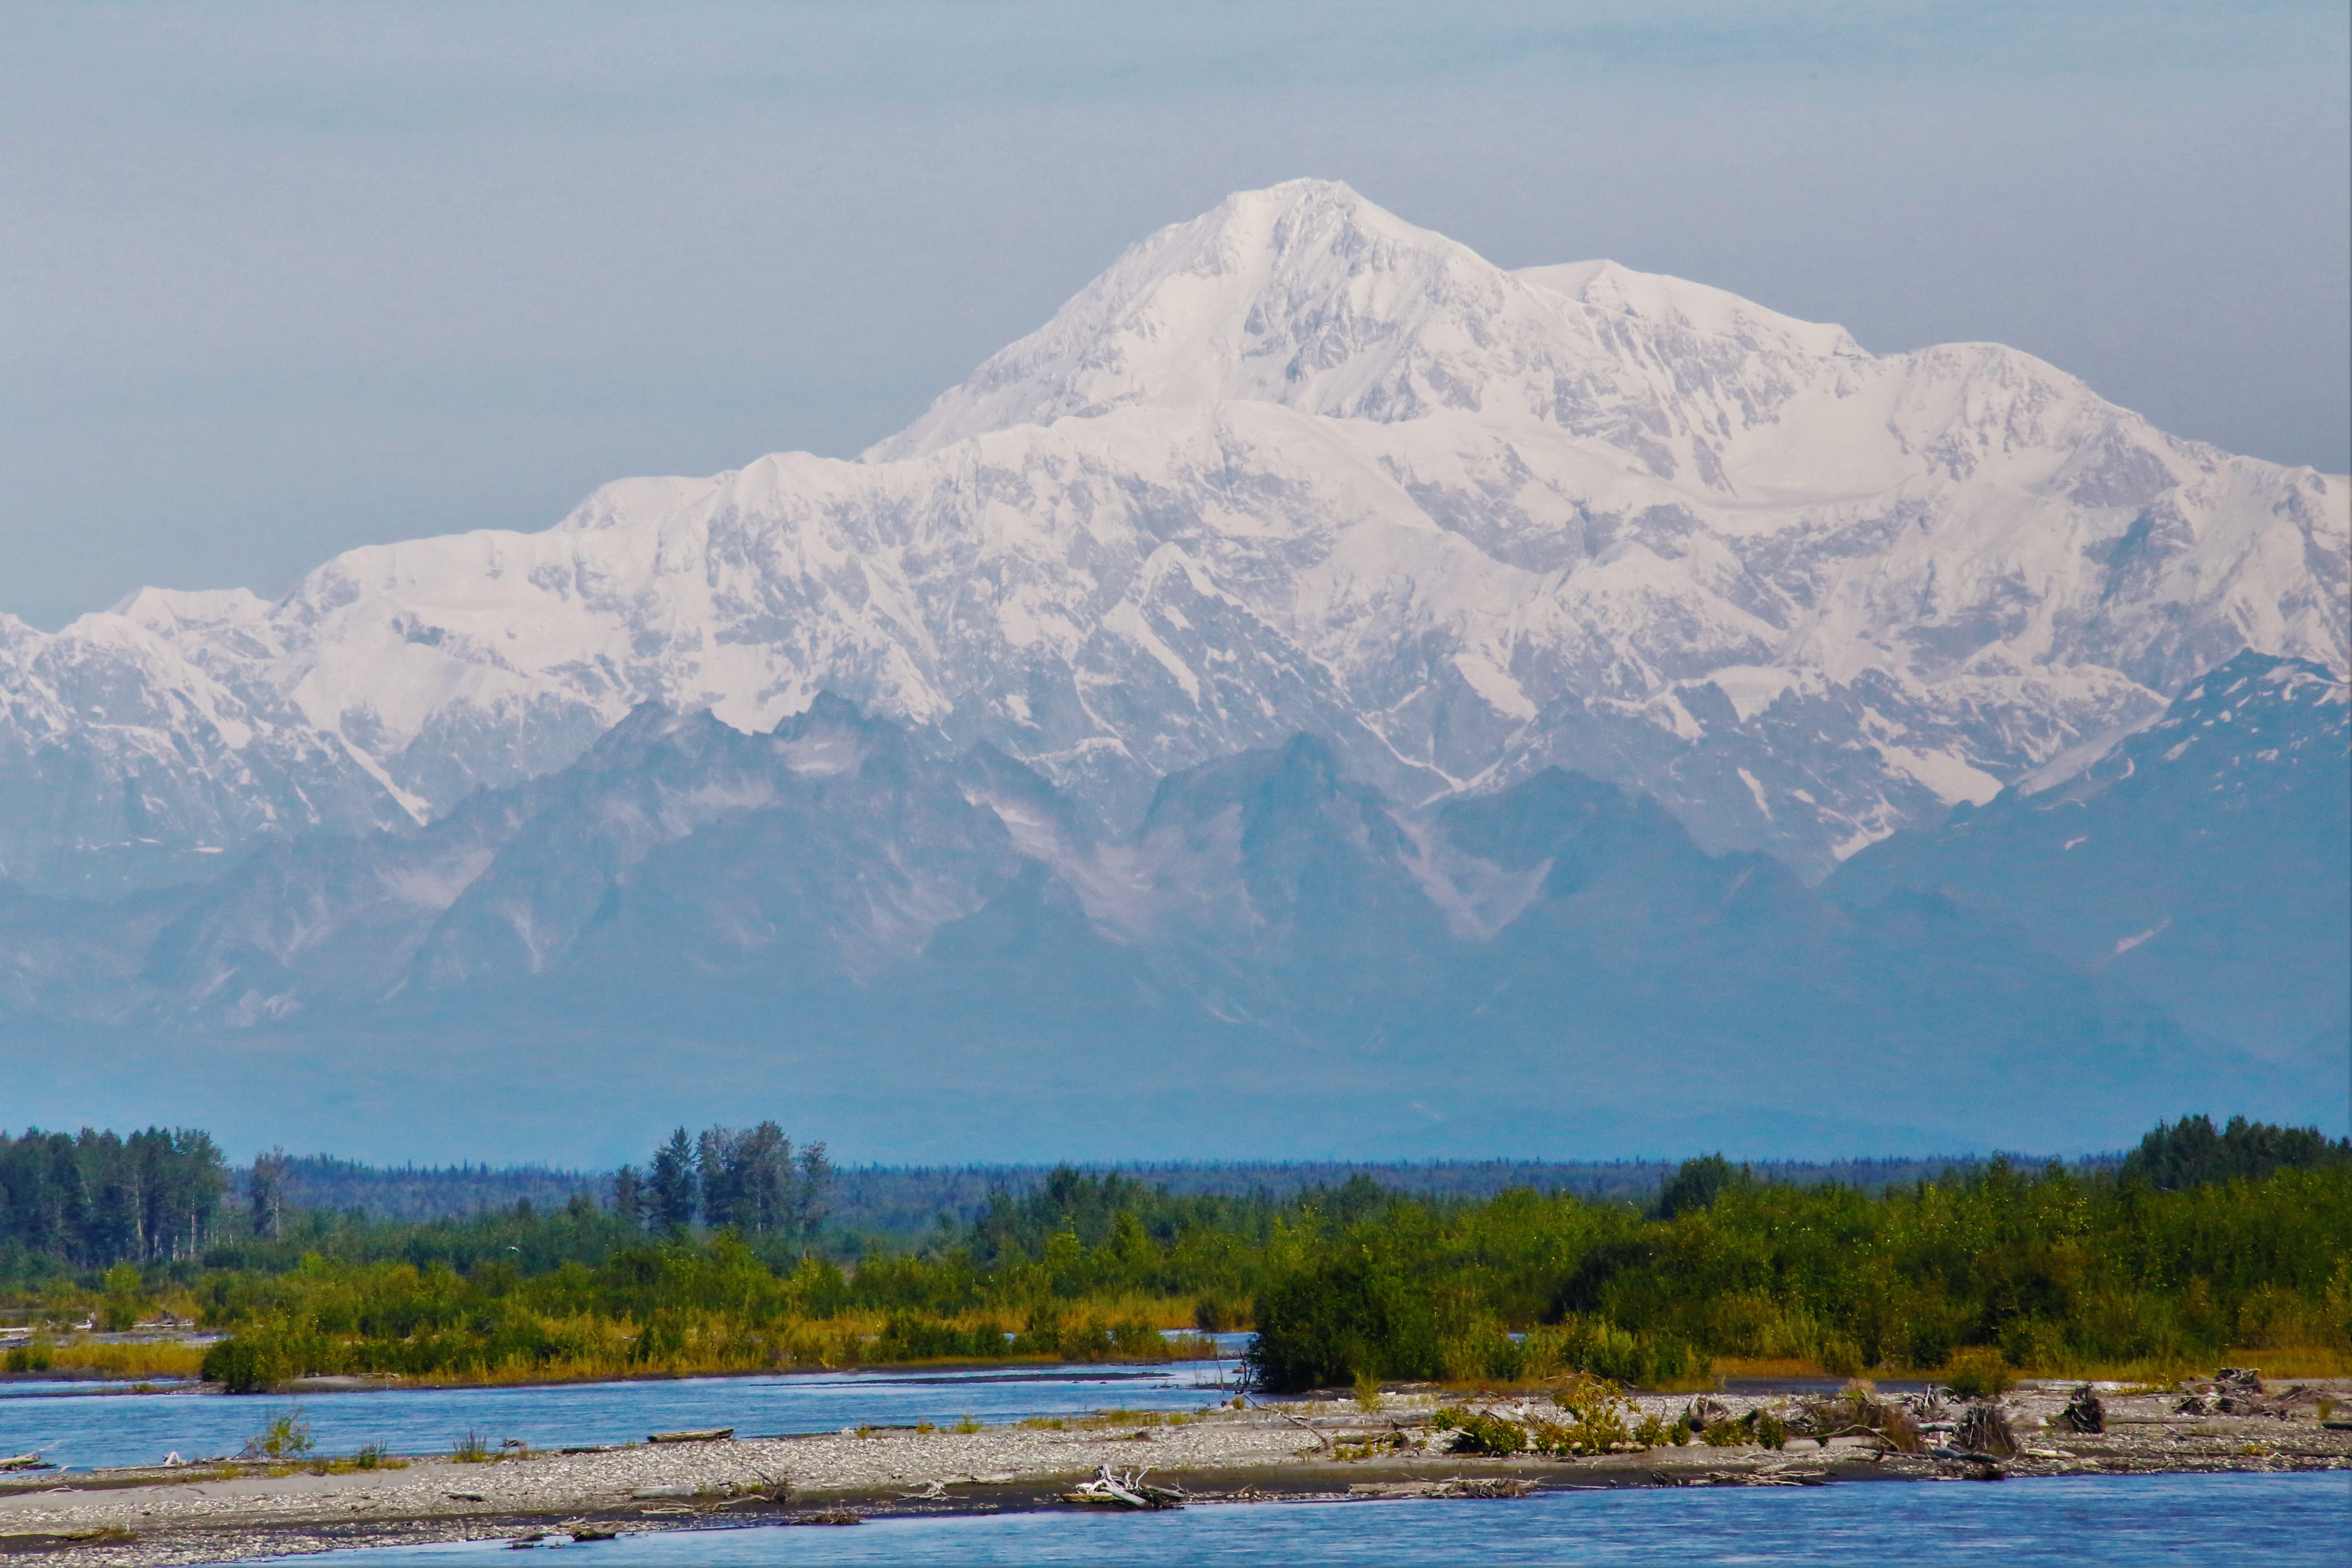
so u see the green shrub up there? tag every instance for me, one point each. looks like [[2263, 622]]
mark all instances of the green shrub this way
[[907, 1338], [1348, 1310], [286, 1436], [1481, 1433], [1596, 1415], [1979, 1375], [2029, 1342], [248, 1365]]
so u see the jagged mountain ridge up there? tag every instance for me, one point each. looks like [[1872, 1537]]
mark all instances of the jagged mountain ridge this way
[[943, 953], [1296, 466]]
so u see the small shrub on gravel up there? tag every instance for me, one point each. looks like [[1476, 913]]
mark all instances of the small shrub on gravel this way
[[1596, 1410], [1979, 1374], [1483, 1434]]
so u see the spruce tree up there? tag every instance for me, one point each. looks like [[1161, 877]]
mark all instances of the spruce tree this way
[[675, 1192]]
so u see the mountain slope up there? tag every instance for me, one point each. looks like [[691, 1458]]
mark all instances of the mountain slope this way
[[1296, 466], [939, 956], [2204, 862]]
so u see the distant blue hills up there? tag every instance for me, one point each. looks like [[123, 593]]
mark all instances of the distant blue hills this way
[[925, 957], [2204, 862]]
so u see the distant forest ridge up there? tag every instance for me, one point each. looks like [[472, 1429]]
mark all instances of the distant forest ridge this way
[[907, 1200], [430, 1192]]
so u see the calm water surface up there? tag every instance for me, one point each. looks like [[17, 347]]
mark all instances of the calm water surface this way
[[2279, 1522], [86, 1430]]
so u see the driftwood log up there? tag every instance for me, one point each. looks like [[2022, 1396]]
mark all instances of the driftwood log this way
[[1703, 1413], [1983, 1429], [2084, 1413], [1110, 1490]]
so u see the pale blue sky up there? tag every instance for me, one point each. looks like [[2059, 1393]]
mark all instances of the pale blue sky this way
[[279, 279]]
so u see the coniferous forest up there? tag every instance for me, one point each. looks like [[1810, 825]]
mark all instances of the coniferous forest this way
[[721, 1255], [99, 1198]]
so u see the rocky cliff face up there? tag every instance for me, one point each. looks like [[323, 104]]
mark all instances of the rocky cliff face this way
[[1294, 467]]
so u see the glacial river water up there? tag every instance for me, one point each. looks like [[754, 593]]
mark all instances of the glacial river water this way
[[2277, 1521], [86, 1430]]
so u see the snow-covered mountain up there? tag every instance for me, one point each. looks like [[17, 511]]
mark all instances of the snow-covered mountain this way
[[1294, 466]]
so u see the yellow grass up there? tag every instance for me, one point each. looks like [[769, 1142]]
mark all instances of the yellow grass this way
[[162, 1358], [2285, 1361], [2281, 1362], [844, 1341], [1778, 1368]]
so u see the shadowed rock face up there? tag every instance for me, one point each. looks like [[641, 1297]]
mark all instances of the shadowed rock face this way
[[942, 955], [1292, 467]]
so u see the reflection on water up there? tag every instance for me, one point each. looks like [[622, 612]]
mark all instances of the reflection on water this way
[[85, 1430], [2281, 1521]]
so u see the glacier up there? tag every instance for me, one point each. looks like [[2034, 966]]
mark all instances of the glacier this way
[[1296, 466]]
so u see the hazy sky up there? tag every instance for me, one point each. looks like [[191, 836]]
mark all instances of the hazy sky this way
[[279, 279]]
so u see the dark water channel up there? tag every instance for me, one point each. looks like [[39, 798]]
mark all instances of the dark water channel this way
[[2277, 1521]]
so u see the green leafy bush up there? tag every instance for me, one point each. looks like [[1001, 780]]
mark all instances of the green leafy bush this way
[[1481, 1433], [1596, 1411], [1979, 1374]]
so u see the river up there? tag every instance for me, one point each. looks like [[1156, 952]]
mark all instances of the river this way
[[2278, 1521], [81, 1430]]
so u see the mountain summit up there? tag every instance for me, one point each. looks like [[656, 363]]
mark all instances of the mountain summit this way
[[1310, 297], [1293, 465]]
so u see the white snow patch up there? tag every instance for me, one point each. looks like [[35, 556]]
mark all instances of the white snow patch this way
[[1752, 687], [1952, 777], [1502, 693]]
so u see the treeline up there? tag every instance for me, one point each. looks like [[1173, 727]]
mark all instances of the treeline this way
[[99, 1198], [2202, 1243], [2190, 1154], [898, 1205], [432, 1192], [2053, 1270], [902, 1204]]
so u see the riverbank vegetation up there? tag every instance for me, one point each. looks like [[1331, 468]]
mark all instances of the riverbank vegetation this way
[[2157, 1268], [2203, 1245]]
